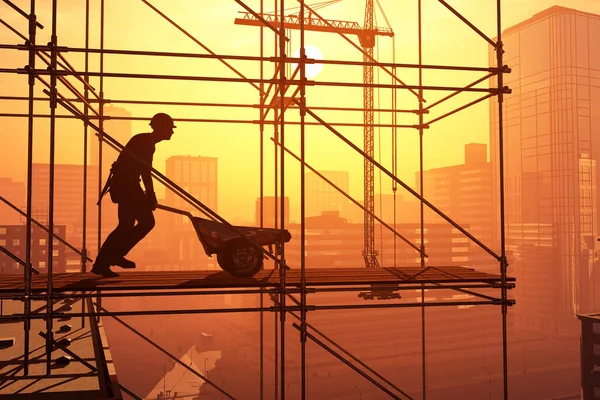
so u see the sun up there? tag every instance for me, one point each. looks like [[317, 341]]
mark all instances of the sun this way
[[312, 70]]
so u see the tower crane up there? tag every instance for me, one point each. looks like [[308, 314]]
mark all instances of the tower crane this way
[[366, 36]]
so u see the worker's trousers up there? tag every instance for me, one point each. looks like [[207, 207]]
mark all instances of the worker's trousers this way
[[135, 207]]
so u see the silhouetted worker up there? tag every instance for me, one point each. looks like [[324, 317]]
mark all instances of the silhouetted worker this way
[[134, 203]]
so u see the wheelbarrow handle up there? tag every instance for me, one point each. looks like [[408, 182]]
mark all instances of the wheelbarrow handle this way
[[175, 210]]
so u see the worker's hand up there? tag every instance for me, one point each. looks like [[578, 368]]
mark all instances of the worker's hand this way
[[152, 200]]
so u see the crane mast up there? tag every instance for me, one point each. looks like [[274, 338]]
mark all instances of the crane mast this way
[[366, 36], [367, 41]]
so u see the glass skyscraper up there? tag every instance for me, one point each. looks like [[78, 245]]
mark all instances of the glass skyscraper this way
[[551, 148]]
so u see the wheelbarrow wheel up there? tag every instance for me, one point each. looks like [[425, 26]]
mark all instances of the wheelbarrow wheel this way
[[240, 258]]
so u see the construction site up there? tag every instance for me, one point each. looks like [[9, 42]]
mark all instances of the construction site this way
[[64, 331]]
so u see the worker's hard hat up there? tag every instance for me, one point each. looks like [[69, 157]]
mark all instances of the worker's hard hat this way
[[163, 120]]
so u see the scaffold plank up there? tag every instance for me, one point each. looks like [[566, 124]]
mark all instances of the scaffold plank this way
[[169, 280]]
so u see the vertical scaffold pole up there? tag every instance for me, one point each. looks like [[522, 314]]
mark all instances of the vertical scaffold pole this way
[[27, 269], [100, 134], [276, 209], [282, 271], [302, 206], [422, 212], [50, 259], [85, 148], [261, 209], [503, 261]]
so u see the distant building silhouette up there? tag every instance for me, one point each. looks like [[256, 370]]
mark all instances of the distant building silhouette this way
[[15, 193], [272, 205], [551, 121], [320, 196], [198, 176], [119, 129], [12, 238], [464, 193], [333, 242], [68, 200]]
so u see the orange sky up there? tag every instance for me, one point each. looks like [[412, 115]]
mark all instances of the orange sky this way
[[133, 25]]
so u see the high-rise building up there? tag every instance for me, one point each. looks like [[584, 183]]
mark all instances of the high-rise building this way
[[119, 129], [321, 196], [551, 149], [272, 205], [464, 193], [333, 242], [197, 176], [13, 238], [15, 193], [68, 200]]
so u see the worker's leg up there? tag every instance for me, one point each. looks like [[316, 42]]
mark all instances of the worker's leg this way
[[114, 242], [145, 222]]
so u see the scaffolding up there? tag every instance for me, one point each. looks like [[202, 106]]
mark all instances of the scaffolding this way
[[287, 288]]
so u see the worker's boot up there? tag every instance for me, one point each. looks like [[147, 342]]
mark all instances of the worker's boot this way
[[101, 267], [123, 263]]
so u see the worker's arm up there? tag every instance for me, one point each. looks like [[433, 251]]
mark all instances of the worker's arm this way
[[149, 185]]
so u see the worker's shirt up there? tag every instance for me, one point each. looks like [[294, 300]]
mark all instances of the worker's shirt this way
[[128, 168]]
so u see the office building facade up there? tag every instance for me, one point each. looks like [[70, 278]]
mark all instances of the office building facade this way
[[551, 149]]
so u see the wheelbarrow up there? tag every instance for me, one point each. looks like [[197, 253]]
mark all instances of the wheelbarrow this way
[[236, 254]]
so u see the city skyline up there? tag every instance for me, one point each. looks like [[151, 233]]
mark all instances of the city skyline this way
[[416, 327]]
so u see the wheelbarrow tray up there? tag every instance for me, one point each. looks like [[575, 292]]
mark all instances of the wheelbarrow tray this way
[[215, 236], [239, 251]]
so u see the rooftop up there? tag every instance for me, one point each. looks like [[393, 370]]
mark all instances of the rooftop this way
[[554, 10]]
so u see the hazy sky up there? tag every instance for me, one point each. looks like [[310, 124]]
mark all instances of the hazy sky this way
[[133, 25]]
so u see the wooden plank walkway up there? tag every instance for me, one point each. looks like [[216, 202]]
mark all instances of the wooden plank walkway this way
[[182, 280]]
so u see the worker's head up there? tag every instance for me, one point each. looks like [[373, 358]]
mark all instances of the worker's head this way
[[162, 124]]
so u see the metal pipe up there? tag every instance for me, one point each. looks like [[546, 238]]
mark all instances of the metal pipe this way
[[85, 150], [63, 241], [253, 81], [16, 32], [67, 294], [355, 368], [354, 359], [186, 33], [199, 292], [303, 308], [467, 22], [100, 133], [233, 121], [421, 209], [27, 270], [282, 269], [451, 95], [14, 257], [276, 340], [23, 13], [186, 103], [503, 262], [261, 209], [479, 100], [50, 260], [293, 60], [274, 309]]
